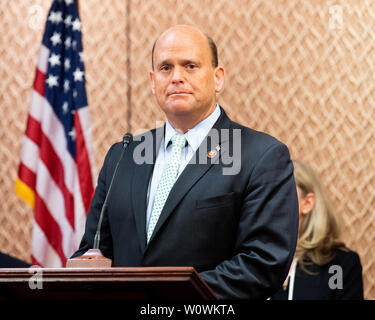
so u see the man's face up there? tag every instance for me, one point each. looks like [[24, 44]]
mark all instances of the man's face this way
[[184, 81]]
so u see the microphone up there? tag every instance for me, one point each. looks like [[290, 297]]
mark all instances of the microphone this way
[[126, 140], [93, 258]]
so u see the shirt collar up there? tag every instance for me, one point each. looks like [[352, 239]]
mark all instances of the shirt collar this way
[[195, 135]]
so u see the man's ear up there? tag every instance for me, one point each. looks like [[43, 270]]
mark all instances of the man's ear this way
[[152, 82], [308, 203], [219, 78]]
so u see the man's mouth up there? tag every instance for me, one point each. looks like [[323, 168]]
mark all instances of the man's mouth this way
[[175, 93]]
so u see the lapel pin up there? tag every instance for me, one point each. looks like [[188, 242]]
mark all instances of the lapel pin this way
[[211, 154]]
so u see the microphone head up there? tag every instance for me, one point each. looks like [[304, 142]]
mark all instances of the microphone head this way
[[127, 139]]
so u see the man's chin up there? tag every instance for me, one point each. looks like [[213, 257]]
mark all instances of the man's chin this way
[[179, 109]]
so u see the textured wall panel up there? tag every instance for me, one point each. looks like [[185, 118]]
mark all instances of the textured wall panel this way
[[299, 70]]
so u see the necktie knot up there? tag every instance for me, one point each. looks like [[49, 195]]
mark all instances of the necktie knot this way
[[178, 141]]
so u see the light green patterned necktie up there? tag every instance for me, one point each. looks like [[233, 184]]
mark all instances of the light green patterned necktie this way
[[167, 181]]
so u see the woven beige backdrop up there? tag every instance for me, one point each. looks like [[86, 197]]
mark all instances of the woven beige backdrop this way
[[302, 71]]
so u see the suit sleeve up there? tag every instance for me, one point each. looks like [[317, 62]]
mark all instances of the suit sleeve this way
[[94, 213], [267, 232]]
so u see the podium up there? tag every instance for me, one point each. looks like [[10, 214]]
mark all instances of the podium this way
[[111, 284]]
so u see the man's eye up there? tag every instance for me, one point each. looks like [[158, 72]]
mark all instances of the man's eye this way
[[191, 66], [164, 68]]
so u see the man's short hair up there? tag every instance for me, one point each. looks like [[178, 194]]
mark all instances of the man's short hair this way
[[211, 43]]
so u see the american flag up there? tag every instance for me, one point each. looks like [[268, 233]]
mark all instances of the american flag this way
[[55, 174]]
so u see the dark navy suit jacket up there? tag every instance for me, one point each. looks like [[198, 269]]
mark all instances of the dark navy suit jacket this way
[[238, 230]]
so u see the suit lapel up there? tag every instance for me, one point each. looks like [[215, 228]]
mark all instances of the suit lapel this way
[[193, 172], [141, 178]]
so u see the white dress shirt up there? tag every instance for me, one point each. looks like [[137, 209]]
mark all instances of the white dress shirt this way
[[194, 138]]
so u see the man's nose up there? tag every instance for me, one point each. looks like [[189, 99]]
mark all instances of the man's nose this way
[[178, 75]]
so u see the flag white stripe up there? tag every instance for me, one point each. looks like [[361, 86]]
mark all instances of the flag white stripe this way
[[36, 105], [84, 118], [54, 201], [30, 154], [43, 59], [42, 250]]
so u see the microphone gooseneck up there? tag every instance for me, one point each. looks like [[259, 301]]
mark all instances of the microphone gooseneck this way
[[126, 140]]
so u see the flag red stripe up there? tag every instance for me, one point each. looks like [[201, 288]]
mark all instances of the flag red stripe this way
[[39, 81], [53, 164], [27, 176], [33, 130], [49, 226], [83, 165], [34, 261]]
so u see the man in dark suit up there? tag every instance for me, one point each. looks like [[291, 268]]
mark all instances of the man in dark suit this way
[[220, 197]]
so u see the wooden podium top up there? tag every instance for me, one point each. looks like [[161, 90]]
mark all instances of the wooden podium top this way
[[157, 283]]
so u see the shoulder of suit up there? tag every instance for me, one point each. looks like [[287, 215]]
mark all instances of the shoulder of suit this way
[[346, 256], [252, 136]]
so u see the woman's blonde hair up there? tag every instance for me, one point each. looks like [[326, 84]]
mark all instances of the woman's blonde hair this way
[[319, 233]]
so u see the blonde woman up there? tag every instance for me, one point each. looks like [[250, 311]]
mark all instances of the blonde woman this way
[[323, 268]]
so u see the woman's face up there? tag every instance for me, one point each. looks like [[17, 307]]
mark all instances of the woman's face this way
[[300, 199], [306, 203]]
